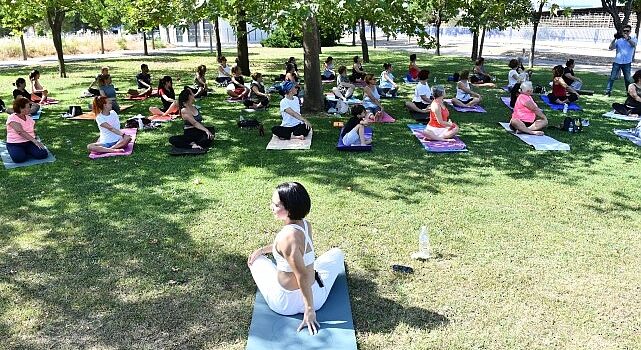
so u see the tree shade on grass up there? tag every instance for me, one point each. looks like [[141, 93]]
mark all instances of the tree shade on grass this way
[[533, 250]]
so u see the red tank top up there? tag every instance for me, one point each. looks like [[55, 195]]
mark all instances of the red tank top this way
[[444, 116], [558, 89], [413, 72]]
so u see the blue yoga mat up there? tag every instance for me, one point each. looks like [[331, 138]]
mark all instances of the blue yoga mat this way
[[356, 148], [9, 164], [559, 107], [271, 331]]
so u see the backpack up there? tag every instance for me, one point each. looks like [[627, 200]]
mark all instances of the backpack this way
[[539, 90], [252, 123], [139, 123], [571, 125]]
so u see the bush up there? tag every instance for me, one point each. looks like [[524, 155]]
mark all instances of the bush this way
[[122, 43], [281, 37]]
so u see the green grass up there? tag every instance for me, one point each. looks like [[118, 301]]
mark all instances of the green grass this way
[[536, 250]]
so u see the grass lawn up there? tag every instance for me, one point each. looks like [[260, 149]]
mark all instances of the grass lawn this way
[[536, 250]]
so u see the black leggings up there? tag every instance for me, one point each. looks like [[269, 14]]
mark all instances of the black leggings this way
[[569, 98], [193, 135], [514, 94], [263, 101], [285, 132]]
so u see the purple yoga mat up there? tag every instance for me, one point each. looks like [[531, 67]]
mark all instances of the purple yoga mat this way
[[475, 109], [357, 148], [437, 146], [128, 150], [506, 101]]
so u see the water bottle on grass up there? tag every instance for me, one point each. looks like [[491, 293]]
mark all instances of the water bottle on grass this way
[[424, 249]]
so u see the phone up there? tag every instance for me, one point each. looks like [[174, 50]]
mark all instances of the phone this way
[[402, 269]]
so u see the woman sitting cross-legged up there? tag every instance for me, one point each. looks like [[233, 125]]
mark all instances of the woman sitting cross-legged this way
[[527, 117], [387, 84], [354, 129], [561, 92], [298, 282], [633, 101], [412, 70], [22, 143], [357, 70], [168, 98], [224, 71], [481, 77], [195, 134], [422, 94], [372, 99], [38, 91], [440, 127], [21, 90], [344, 89], [258, 98], [328, 72], [112, 139], [108, 90], [465, 97], [236, 88], [294, 125], [200, 82]]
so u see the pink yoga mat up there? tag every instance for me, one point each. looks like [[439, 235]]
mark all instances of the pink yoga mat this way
[[386, 118], [128, 150], [49, 101]]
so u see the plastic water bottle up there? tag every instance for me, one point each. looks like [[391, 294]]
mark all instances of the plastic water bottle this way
[[565, 108], [435, 80], [424, 243]]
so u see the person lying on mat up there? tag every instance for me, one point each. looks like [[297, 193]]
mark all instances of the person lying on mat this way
[[22, 143], [480, 76], [561, 92], [224, 71], [569, 77], [94, 87], [372, 99], [109, 91], [112, 139], [37, 90], [527, 117], [294, 125], [515, 75], [298, 282], [387, 84], [21, 90], [328, 72], [168, 98], [357, 70], [195, 134], [143, 80], [236, 88], [354, 129], [258, 98], [422, 94], [440, 127], [465, 97], [344, 89], [200, 82], [413, 70]]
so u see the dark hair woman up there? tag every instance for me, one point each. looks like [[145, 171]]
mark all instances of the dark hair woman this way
[[195, 134]]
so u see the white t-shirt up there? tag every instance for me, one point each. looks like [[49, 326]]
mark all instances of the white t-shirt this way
[[421, 90], [511, 80], [294, 104], [107, 136], [461, 95], [226, 69]]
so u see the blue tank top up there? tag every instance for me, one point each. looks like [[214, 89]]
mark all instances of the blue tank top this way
[[197, 118]]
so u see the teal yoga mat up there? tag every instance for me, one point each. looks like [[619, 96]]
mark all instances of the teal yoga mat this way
[[9, 164], [271, 331]]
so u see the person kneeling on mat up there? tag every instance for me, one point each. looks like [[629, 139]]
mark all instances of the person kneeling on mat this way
[[527, 117], [112, 139], [22, 143], [354, 129], [293, 124], [299, 282], [195, 134], [439, 128]]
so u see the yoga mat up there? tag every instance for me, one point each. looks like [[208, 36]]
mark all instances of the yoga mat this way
[[475, 109], [410, 82], [437, 146], [37, 115], [422, 117], [506, 101], [167, 118], [359, 83], [350, 101], [49, 101], [556, 107], [128, 150], [626, 134], [276, 143], [355, 148], [614, 115], [506, 88], [233, 100], [175, 151], [271, 331], [9, 164], [539, 143], [385, 118], [92, 116], [327, 81], [136, 98]]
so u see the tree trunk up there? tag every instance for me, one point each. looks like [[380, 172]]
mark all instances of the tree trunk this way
[[354, 36], [318, 36], [211, 39], [241, 41], [23, 47], [636, 29], [144, 43], [168, 36], [535, 29], [313, 101], [55, 17], [364, 42], [102, 41], [374, 34], [610, 6], [219, 47], [475, 44], [438, 38], [196, 33], [153, 40], [481, 43]]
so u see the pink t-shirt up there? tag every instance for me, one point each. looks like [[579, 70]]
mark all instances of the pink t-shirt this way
[[27, 125], [521, 112]]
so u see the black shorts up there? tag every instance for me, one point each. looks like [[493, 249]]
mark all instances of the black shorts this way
[[421, 105], [465, 101]]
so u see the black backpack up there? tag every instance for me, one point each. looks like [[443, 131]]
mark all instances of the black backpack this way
[[252, 123], [571, 125]]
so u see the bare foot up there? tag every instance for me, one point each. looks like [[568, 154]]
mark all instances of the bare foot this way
[[538, 133], [117, 150], [299, 137], [196, 146]]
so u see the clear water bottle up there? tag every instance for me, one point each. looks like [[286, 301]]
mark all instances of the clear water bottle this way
[[565, 108], [424, 248]]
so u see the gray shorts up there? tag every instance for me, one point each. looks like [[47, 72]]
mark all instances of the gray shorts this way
[[352, 138]]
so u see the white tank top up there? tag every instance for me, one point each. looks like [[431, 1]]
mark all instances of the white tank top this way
[[227, 70], [308, 258], [462, 95]]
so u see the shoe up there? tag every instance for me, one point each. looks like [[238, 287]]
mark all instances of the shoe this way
[[607, 93]]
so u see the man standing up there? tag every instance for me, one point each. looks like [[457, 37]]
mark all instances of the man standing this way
[[625, 46]]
